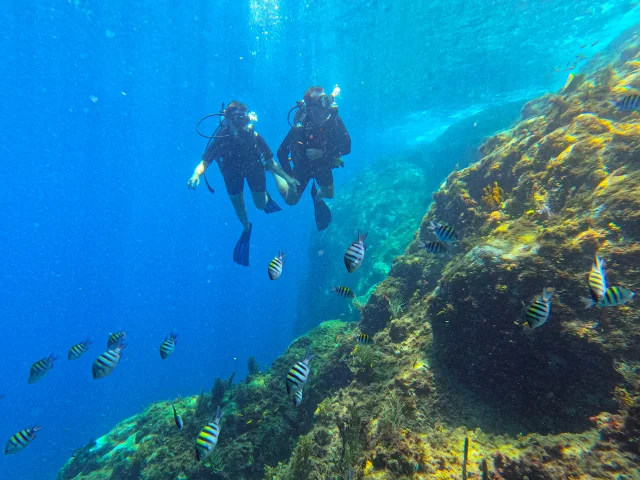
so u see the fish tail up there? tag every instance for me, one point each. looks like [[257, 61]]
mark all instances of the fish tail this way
[[219, 414], [588, 302], [547, 293]]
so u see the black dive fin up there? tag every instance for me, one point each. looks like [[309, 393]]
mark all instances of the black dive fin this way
[[271, 206], [241, 252], [322, 211]]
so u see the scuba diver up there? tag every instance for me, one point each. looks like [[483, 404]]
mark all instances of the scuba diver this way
[[241, 153], [316, 141]]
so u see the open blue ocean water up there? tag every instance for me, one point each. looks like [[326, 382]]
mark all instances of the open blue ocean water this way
[[98, 231]]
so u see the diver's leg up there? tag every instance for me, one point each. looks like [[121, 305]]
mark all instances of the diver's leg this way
[[234, 182], [257, 181], [241, 210], [281, 184], [324, 177]]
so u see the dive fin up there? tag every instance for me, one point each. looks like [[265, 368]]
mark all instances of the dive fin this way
[[322, 211], [271, 206], [241, 252]]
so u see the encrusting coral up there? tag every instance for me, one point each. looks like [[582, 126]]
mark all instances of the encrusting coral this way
[[493, 197]]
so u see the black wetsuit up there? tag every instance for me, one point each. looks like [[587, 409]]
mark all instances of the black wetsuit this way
[[331, 137], [240, 156]]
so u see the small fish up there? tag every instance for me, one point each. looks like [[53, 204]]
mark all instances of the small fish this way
[[275, 266], [177, 418], [445, 233], [115, 339], [613, 297], [299, 373], [343, 291], [363, 338], [167, 347], [433, 247], [627, 102], [106, 362], [539, 311], [21, 439], [545, 210], [249, 422], [594, 43], [597, 279], [41, 368], [208, 437], [354, 256], [297, 398], [78, 350]]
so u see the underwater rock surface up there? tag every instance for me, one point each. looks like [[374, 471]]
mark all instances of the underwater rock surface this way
[[387, 199], [451, 358]]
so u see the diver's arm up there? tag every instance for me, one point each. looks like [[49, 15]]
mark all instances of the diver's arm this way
[[342, 142], [210, 154], [273, 167], [284, 149]]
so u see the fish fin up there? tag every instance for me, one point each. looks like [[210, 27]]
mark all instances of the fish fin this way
[[588, 302]]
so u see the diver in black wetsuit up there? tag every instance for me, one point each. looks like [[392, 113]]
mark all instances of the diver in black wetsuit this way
[[241, 153], [315, 143]]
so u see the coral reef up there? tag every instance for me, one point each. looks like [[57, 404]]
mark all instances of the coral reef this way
[[493, 197]]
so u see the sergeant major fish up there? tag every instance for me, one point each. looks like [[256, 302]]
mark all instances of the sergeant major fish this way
[[597, 279], [445, 233], [363, 338], [627, 103], [343, 291], [275, 266], [539, 311], [21, 439], [167, 347], [106, 362], [297, 398], [299, 373], [354, 256], [613, 297], [433, 247], [115, 339], [41, 368], [78, 350], [208, 437]]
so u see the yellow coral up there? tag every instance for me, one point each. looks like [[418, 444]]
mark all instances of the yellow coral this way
[[493, 196]]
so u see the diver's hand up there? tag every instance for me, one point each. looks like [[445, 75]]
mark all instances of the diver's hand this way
[[194, 181], [314, 153], [292, 182], [337, 162]]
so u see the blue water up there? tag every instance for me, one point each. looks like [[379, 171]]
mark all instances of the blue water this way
[[98, 230]]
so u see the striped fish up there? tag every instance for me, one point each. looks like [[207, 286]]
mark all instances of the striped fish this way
[[78, 350], [41, 368], [297, 398], [208, 437], [299, 373], [613, 297], [627, 102], [433, 247], [345, 292], [177, 418], [445, 233], [597, 280], [363, 338], [354, 255], [106, 362], [21, 439], [167, 347], [115, 339], [275, 266], [539, 311]]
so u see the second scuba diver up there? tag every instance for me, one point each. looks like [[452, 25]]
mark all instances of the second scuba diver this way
[[241, 153], [316, 141]]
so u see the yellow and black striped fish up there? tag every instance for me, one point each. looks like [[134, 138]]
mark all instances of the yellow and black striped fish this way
[[354, 256], [433, 247], [106, 362], [539, 311], [299, 373], [167, 347], [445, 233], [41, 368], [115, 339], [208, 437], [345, 292], [275, 266], [21, 439], [78, 350], [597, 279], [613, 297], [297, 398], [363, 338]]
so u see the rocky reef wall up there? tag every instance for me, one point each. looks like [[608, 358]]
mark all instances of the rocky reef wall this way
[[387, 199]]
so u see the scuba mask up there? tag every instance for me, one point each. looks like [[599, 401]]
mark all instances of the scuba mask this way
[[317, 108]]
